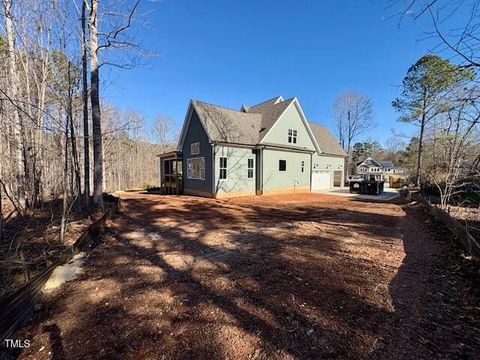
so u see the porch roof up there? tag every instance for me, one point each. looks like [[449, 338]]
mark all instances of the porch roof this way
[[171, 154]]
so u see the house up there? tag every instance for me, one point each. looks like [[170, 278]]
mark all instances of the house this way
[[266, 148], [378, 170]]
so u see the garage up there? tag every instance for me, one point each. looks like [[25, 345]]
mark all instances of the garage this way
[[320, 179]]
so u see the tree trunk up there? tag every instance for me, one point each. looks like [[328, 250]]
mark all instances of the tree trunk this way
[[76, 166], [17, 122], [419, 155], [95, 102], [349, 143], [86, 136], [420, 140], [64, 220]]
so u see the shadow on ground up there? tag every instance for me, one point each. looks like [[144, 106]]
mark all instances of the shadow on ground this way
[[190, 278]]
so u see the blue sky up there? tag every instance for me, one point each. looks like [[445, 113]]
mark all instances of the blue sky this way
[[243, 52]]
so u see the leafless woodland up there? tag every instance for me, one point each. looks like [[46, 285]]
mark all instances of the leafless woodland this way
[[61, 145]]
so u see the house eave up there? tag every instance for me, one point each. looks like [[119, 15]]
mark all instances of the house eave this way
[[233, 144], [269, 146]]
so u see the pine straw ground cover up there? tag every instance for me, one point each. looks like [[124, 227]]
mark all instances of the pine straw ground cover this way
[[276, 277]]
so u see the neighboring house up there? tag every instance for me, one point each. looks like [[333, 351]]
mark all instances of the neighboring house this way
[[378, 170], [266, 148]]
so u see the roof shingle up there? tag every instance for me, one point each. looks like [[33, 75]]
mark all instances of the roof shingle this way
[[225, 125], [327, 143], [250, 125], [270, 111]]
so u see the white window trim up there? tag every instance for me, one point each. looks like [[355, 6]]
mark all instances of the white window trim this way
[[222, 168], [189, 174], [294, 131], [251, 168], [191, 148]]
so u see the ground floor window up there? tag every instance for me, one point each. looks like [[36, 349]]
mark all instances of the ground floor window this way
[[303, 166], [282, 165], [223, 168], [250, 169], [196, 168]]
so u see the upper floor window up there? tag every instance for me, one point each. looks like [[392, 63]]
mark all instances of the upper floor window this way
[[282, 165], [223, 168], [292, 136], [195, 148], [250, 169]]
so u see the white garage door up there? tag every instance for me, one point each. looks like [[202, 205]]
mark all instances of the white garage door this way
[[320, 179]]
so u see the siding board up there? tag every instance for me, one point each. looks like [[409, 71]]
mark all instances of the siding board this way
[[196, 133]]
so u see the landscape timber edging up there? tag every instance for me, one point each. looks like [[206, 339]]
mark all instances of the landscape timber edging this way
[[17, 307], [456, 227]]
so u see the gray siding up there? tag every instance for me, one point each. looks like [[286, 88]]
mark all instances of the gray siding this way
[[196, 133]]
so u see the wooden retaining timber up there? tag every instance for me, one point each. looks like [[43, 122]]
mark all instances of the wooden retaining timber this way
[[17, 307], [456, 228]]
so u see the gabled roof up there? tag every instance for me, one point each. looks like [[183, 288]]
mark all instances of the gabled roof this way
[[386, 163], [225, 125], [270, 111], [326, 141], [250, 125], [370, 162]]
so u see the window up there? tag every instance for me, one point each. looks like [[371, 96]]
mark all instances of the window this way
[[196, 168], [195, 148], [303, 166], [282, 165], [223, 168], [250, 169], [292, 136]]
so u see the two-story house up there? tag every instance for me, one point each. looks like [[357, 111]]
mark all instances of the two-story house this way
[[378, 170], [266, 148]]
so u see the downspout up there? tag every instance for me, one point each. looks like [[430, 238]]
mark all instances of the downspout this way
[[311, 170], [259, 164], [213, 171], [160, 172]]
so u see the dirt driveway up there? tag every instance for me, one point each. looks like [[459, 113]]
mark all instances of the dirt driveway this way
[[307, 276]]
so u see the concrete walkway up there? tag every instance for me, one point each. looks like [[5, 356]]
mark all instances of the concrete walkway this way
[[387, 195]]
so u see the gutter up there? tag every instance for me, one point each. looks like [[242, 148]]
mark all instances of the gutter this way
[[282, 148], [223, 143]]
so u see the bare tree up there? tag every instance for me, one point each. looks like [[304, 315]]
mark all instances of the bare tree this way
[[455, 23], [112, 38], [458, 140], [86, 134], [353, 114], [15, 111], [43, 65], [95, 102], [165, 132], [392, 148]]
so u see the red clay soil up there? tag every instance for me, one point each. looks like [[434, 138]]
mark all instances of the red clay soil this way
[[276, 277]]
